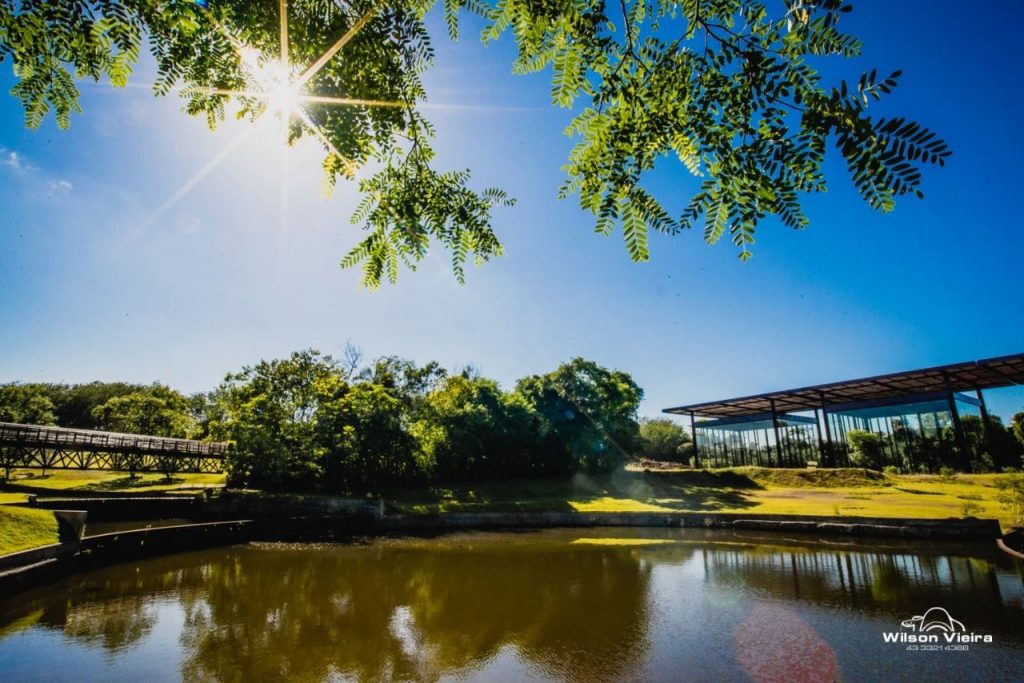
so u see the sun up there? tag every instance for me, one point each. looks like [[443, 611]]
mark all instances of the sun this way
[[284, 89], [272, 81], [283, 99]]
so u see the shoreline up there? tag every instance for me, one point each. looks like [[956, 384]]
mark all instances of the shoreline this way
[[31, 568]]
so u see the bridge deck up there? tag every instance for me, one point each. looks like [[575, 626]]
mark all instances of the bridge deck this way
[[41, 446], [40, 436]]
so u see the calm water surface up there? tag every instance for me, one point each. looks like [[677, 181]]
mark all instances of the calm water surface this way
[[580, 605]]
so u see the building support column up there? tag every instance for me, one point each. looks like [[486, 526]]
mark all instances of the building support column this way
[[775, 427], [821, 442], [958, 427], [828, 452], [693, 435], [986, 434]]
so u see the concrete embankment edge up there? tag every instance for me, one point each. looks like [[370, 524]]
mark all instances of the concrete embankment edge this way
[[40, 565]]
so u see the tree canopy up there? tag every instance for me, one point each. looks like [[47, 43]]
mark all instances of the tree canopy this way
[[589, 410], [156, 410], [306, 423], [664, 439], [728, 88], [26, 404]]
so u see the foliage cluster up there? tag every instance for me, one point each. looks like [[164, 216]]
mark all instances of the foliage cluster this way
[[866, 449], [155, 409], [303, 423], [1011, 496], [989, 447], [665, 440], [729, 89]]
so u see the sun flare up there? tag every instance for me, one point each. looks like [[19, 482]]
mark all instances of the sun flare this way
[[272, 81]]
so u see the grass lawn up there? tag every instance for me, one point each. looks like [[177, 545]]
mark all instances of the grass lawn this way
[[99, 481], [844, 492], [840, 492], [23, 528], [6, 497]]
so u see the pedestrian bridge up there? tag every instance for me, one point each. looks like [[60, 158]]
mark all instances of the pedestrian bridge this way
[[44, 447]]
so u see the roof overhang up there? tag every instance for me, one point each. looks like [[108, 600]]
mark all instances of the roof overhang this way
[[990, 373]]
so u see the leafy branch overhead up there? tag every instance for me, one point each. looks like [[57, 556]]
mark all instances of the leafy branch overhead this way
[[726, 87]]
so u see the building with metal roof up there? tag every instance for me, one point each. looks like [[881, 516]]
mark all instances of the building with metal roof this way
[[919, 415]]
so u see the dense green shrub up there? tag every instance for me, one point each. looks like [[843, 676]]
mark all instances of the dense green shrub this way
[[366, 444], [470, 429], [991, 444], [664, 439], [982, 463], [866, 449]]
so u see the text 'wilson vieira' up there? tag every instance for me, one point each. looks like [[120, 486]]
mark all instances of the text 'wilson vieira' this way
[[891, 637]]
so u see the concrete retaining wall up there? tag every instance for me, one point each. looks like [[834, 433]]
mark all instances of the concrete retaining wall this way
[[117, 509], [44, 564], [966, 529], [234, 504], [24, 558]]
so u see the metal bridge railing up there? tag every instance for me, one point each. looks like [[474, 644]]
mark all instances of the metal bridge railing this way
[[41, 436]]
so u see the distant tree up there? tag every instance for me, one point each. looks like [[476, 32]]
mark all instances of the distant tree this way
[[26, 404], [736, 92], [270, 411], [866, 449], [663, 439], [994, 448], [1018, 427], [409, 381], [76, 404], [470, 429], [351, 362], [367, 444], [156, 410], [587, 409]]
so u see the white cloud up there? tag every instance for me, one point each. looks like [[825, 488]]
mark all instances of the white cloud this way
[[17, 164], [14, 161]]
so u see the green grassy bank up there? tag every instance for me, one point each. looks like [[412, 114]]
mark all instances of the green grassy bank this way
[[24, 528], [839, 492], [58, 481]]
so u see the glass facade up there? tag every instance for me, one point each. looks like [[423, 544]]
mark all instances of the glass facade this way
[[751, 440], [915, 434]]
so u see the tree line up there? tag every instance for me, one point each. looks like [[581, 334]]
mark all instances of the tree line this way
[[313, 422]]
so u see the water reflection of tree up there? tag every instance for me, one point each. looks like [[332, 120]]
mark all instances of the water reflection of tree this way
[[417, 613], [114, 608], [425, 609]]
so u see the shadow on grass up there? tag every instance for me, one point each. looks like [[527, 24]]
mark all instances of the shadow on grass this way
[[127, 482], [917, 492], [714, 479], [683, 491]]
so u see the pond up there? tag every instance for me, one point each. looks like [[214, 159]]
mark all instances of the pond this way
[[566, 604]]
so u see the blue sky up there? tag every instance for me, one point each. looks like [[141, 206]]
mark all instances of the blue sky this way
[[96, 286]]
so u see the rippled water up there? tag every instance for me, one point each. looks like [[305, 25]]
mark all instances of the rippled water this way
[[582, 605]]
